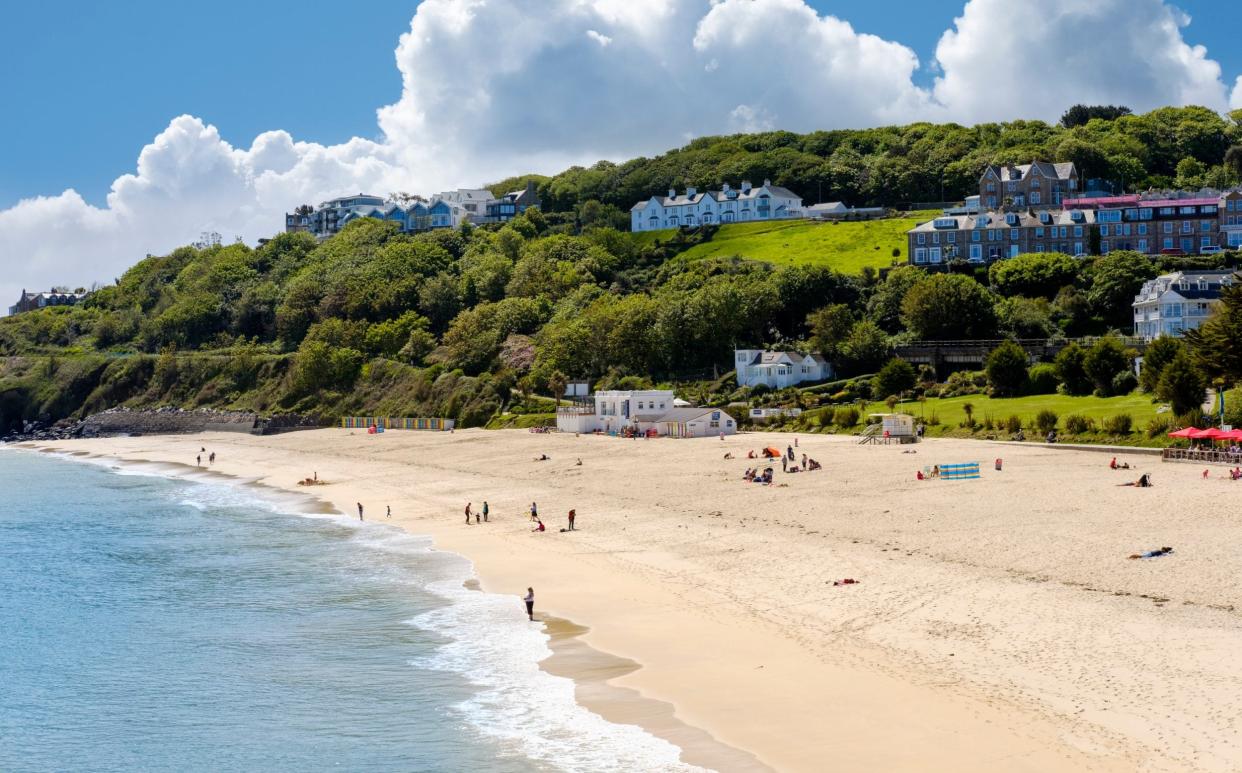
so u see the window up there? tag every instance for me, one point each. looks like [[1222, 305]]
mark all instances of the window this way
[[1039, 248], [976, 253], [1108, 216], [1186, 210], [1034, 197], [1166, 210], [974, 236], [920, 255], [1142, 245], [1013, 234], [922, 238], [1103, 231], [1077, 248], [1064, 231], [935, 238], [1131, 214], [1168, 243], [1167, 227], [1205, 225], [1103, 247], [952, 237], [1078, 232], [1142, 229], [1187, 227], [1205, 241], [1145, 213], [1039, 232], [1208, 209]]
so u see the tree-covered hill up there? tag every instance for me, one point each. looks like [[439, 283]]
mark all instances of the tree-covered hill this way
[[1185, 147]]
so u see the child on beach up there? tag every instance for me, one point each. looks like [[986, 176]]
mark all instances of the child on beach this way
[[539, 526]]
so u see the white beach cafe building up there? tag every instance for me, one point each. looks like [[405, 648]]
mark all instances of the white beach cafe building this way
[[654, 410]]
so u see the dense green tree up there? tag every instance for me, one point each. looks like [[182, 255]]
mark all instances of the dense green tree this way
[[895, 377], [948, 307], [1216, 345], [1079, 115], [1006, 369], [1115, 279], [1103, 362], [1159, 353], [829, 327], [1181, 385], [865, 349], [1071, 370], [884, 306], [1034, 274], [1025, 317]]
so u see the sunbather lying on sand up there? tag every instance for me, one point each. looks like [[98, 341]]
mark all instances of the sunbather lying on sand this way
[[1144, 481], [1152, 553]]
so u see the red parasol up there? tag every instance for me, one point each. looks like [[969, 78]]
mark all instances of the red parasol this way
[[1184, 433]]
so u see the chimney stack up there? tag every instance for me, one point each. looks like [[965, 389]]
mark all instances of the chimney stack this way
[[745, 186], [690, 191], [672, 193]]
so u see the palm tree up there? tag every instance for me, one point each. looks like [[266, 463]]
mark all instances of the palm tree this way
[[557, 382], [969, 408]]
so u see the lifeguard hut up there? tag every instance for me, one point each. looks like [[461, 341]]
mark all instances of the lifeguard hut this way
[[890, 428]]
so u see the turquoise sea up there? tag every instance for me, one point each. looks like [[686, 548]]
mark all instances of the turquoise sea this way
[[156, 619]]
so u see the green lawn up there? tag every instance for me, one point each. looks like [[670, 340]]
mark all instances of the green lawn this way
[[949, 409], [845, 247]]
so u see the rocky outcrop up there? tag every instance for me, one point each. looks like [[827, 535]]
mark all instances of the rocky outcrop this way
[[162, 421]]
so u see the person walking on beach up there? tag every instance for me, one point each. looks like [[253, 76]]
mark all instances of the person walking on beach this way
[[360, 511], [198, 460], [485, 511], [804, 461], [784, 464], [530, 603], [467, 513], [389, 514], [534, 512], [572, 514], [212, 459]]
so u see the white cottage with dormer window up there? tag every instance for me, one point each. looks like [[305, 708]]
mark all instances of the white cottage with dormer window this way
[[727, 205]]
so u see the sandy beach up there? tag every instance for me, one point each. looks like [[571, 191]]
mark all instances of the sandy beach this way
[[997, 624]]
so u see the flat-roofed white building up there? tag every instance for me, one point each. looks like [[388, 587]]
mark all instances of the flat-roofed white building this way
[[615, 411]]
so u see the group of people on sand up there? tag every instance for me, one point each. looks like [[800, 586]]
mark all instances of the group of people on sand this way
[[481, 515], [1114, 466], [754, 476], [211, 458]]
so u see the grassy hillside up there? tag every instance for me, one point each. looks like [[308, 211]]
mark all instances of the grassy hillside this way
[[844, 247]]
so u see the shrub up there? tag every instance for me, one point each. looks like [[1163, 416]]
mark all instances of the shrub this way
[[1077, 424], [1119, 424], [1159, 426], [987, 422], [1046, 420], [1013, 424], [934, 420], [1042, 379], [1124, 383], [845, 417]]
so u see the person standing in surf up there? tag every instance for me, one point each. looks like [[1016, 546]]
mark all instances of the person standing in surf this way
[[530, 603], [360, 511]]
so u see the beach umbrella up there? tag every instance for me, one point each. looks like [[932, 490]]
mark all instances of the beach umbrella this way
[[1212, 433], [1233, 434], [1204, 434], [1183, 433]]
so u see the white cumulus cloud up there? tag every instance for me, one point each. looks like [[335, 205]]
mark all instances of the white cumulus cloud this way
[[497, 87]]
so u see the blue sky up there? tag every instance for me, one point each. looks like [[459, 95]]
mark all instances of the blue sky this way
[[88, 83]]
